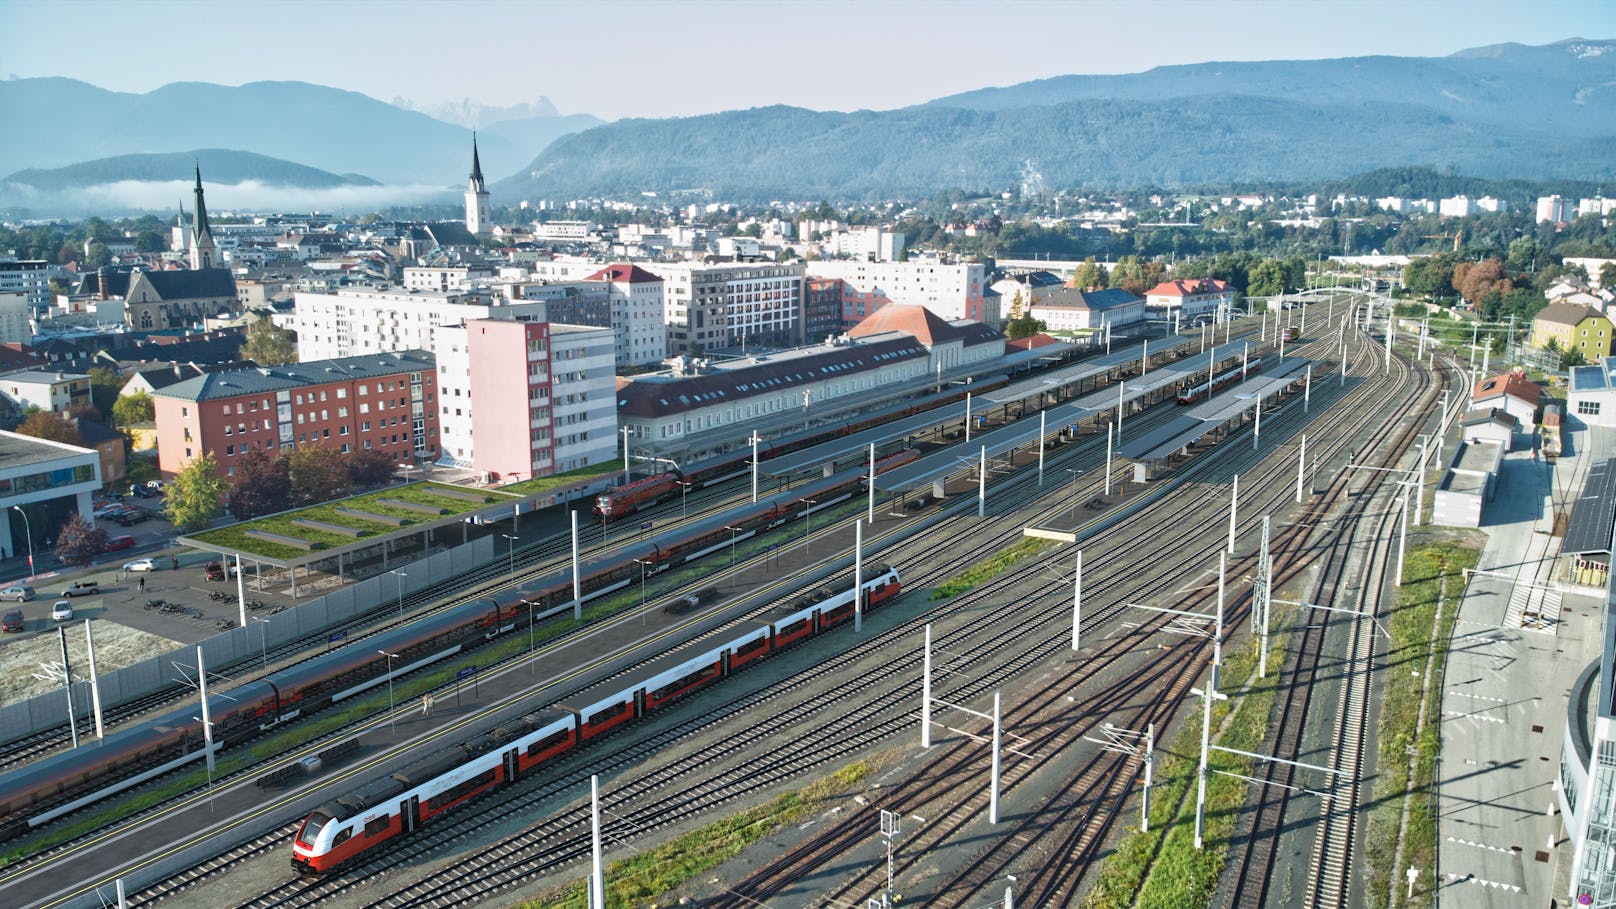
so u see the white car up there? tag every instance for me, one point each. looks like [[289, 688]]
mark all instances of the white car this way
[[140, 565]]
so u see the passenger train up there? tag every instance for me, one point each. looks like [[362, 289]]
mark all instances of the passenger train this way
[[1190, 394], [355, 825], [58, 784]]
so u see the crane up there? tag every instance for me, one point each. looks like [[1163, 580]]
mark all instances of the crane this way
[[1456, 237]]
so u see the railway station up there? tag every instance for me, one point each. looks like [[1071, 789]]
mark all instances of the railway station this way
[[1154, 454]]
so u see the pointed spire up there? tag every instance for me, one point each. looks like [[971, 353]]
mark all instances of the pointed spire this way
[[202, 248], [476, 165]]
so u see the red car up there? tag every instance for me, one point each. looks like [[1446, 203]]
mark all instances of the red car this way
[[122, 541]]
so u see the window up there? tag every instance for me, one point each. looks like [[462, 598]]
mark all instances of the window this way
[[1588, 408], [342, 393]]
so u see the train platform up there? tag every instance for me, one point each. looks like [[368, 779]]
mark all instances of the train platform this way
[[1505, 696], [1213, 415]]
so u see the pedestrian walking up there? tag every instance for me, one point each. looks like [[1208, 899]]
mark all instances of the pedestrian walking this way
[[142, 585], [174, 562], [426, 705]]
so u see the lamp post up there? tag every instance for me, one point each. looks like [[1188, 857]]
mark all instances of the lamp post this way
[[28, 530], [642, 563], [1075, 472], [401, 574], [263, 639], [732, 532], [510, 544], [391, 719], [684, 487], [807, 522]]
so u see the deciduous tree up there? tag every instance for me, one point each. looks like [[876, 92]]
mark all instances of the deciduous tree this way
[[43, 424], [78, 543], [262, 484], [133, 408], [370, 467], [267, 345], [105, 385], [1474, 280], [318, 475], [195, 494], [1024, 327]]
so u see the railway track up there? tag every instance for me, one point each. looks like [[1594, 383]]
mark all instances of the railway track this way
[[1008, 535]]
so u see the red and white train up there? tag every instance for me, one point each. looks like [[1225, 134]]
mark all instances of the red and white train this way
[[355, 825], [1190, 394]]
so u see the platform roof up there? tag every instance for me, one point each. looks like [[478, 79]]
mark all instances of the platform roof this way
[[1079, 372], [1593, 515], [1203, 418]]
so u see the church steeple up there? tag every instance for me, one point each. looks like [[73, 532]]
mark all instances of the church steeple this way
[[203, 252], [477, 219]]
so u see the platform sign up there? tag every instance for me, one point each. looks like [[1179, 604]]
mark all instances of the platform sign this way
[[646, 525], [476, 683], [337, 638]]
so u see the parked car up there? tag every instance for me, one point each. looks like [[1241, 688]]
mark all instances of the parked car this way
[[22, 593], [131, 516], [141, 565], [12, 620], [82, 588], [106, 508], [121, 541], [214, 571], [62, 611]]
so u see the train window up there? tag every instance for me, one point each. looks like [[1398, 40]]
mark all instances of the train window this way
[[548, 742], [313, 826], [751, 647], [616, 710], [341, 837], [378, 825], [793, 628]]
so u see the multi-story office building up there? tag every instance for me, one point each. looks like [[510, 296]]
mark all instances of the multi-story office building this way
[[30, 277], [523, 399], [730, 305], [822, 308], [950, 290], [386, 402]]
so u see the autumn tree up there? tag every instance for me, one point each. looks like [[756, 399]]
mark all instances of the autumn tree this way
[[370, 467], [43, 424], [262, 484], [78, 542], [1474, 280], [1135, 275], [318, 474], [133, 408], [267, 345], [195, 494]]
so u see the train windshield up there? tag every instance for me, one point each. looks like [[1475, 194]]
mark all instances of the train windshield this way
[[312, 827]]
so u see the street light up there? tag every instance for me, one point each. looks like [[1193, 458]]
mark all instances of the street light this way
[[263, 639], [401, 575], [684, 487], [642, 563], [391, 720], [807, 523], [1075, 472], [28, 530], [511, 545], [732, 532]]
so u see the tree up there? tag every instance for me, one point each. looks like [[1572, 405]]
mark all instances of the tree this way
[[262, 484], [1474, 280], [1607, 275], [267, 345], [43, 424], [105, 384], [149, 241], [133, 408], [97, 256], [318, 475], [1024, 327], [1089, 275], [1572, 357], [1431, 276], [78, 543], [1267, 279], [195, 494], [370, 467]]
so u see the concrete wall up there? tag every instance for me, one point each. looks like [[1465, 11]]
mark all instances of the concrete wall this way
[[243, 645]]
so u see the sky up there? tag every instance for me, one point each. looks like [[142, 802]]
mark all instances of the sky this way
[[633, 58]]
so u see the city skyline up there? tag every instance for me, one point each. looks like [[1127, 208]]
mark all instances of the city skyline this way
[[824, 56]]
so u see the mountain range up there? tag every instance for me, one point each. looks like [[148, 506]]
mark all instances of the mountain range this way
[[1504, 111], [1501, 111]]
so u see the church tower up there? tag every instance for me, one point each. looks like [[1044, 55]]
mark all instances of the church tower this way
[[203, 252], [477, 220]]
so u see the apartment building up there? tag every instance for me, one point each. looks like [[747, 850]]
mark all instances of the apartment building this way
[[952, 291], [386, 402], [638, 316], [30, 277], [730, 305], [360, 321]]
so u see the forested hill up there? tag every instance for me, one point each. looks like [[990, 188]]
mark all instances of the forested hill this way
[[1500, 112]]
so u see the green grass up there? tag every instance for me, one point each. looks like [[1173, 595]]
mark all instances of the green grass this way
[[1424, 573], [644, 876], [1161, 868], [545, 484], [235, 536], [985, 571]]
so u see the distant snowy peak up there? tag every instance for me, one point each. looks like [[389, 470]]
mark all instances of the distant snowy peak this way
[[475, 114]]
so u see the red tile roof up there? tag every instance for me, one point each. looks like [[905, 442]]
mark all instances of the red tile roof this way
[[1188, 288], [1030, 343], [633, 274], [1514, 384], [927, 327]]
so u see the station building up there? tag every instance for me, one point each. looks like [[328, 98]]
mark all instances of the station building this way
[[1591, 395], [41, 484]]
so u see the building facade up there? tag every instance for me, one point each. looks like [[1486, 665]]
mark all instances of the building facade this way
[[1190, 299], [385, 402], [1070, 309], [708, 307], [822, 308], [48, 482], [359, 321], [638, 317], [56, 392], [951, 290], [544, 398], [1573, 326], [29, 277]]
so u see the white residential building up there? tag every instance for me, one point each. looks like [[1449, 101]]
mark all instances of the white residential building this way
[[30, 277], [1457, 207], [15, 312], [950, 290], [445, 278], [562, 230], [1488, 203], [639, 324], [53, 391], [865, 243], [358, 321], [1555, 209], [730, 305]]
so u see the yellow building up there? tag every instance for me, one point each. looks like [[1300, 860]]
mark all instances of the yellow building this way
[[1574, 326]]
